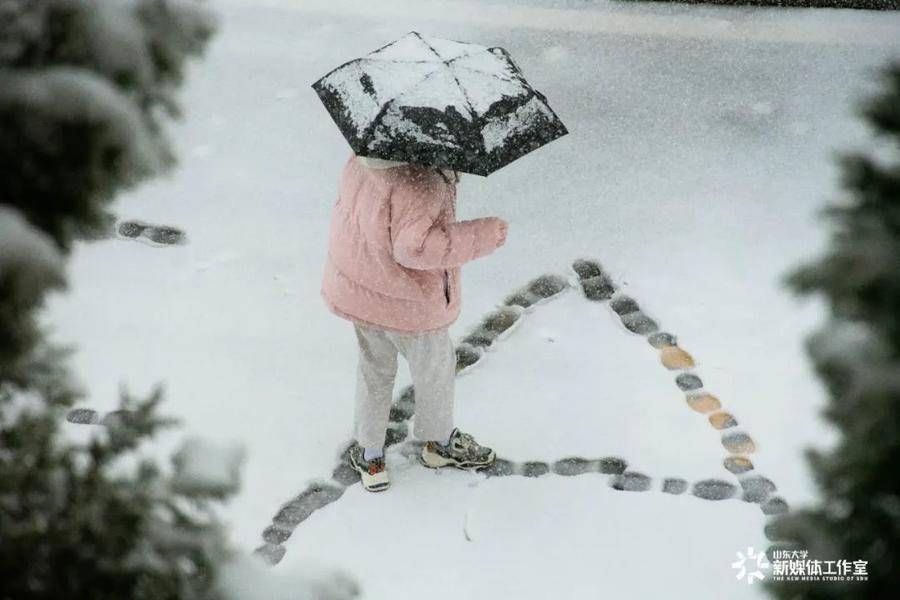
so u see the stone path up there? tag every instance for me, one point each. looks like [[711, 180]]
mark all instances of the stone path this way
[[596, 286], [155, 235]]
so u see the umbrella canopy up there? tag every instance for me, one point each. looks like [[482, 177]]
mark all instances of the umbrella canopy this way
[[438, 102]]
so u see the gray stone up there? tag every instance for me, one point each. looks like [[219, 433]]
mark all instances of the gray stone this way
[[500, 320], [276, 535], [344, 474], [661, 339], [547, 286], [500, 468], [166, 235], [271, 553], [757, 488], [523, 299], [631, 481], [396, 433], [83, 416], [688, 382], [535, 469], [775, 506], [466, 356], [612, 465], [598, 288], [639, 323], [401, 412], [714, 489], [674, 485], [574, 466], [300, 508], [480, 338], [587, 268], [131, 229], [622, 305]]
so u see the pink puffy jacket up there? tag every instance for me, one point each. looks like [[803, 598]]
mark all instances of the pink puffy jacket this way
[[395, 248]]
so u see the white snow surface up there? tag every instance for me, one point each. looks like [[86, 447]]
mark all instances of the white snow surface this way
[[695, 171]]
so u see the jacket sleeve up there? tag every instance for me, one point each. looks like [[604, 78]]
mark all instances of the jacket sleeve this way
[[418, 241]]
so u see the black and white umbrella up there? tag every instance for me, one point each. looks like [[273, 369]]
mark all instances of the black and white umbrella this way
[[440, 103]]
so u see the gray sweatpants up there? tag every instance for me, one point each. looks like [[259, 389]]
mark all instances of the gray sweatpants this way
[[432, 364]]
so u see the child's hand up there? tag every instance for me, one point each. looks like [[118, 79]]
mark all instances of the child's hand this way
[[502, 228]]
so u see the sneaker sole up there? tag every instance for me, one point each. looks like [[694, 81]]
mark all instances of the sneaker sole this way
[[439, 462]]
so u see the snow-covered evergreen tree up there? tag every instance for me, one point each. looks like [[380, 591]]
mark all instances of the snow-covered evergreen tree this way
[[86, 88], [857, 355]]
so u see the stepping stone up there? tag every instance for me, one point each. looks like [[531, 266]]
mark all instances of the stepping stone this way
[[661, 339], [396, 433], [466, 356], [573, 466], [639, 323], [738, 464], [775, 506], [703, 403], [598, 288], [622, 305], [401, 412], [631, 481], [738, 443], [612, 465], [587, 269], [271, 553], [722, 420], [688, 382], [535, 469], [166, 235], [159, 234], [673, 485], [500, 468], [523, 299], [480, 338], [83, 416], [344, 474], [757, 488], [275, 535], [500, 320], [714, 489], [675, 359], [300, 508], [407, 397], [547, 286], [131, 229]]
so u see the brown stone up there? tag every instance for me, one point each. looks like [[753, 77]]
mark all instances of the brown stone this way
[[704, 403], [722, 420], [675, 359]]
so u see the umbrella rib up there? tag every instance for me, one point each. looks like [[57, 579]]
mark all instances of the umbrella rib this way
[[472, 112]]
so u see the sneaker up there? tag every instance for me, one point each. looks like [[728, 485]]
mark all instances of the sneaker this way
[[372, 473], [463, 452]]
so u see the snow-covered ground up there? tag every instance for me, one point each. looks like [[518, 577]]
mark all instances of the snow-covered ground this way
[[698, 159]]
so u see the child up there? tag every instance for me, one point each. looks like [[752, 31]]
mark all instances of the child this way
[[393, 270]]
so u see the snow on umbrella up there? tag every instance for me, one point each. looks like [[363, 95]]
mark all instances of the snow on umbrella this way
[[439, 103]]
